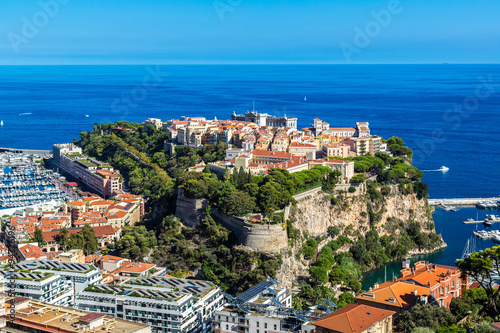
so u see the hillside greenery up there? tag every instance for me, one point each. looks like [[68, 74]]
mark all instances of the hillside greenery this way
[[210, 251]]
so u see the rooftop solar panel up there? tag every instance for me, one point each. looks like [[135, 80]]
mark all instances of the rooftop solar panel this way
[[254, 291]]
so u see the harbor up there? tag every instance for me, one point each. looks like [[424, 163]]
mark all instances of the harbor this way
[[23, 183]]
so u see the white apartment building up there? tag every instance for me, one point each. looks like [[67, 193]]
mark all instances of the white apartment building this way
[[44, 287], [265, 308], [167, 304], [81, 274]]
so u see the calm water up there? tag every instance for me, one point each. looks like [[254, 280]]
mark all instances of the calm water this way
[[42, 105], [455, 234]]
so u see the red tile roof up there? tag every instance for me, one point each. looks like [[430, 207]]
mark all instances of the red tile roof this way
[[31, 251], [353, 318]]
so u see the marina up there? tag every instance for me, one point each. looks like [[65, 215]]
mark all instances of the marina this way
[[23, 183]]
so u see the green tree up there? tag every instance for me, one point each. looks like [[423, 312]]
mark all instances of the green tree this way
[[450, 329], [479, 266], [422, 330], [358, 178], [38, 235], [63, 237], [424, 316], [484, 327], [355, 285], [238, 204], [318, 275], [85, 240]]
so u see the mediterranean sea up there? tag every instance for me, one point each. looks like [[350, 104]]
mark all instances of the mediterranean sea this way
[[448, 114]]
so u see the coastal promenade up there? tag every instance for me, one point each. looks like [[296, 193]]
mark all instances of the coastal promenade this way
[[25, 151], [459, 201]]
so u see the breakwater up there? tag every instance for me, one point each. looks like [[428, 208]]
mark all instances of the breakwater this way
[[460, 201]]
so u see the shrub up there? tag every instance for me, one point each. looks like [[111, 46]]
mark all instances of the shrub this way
[[358, 178], [352, 189]]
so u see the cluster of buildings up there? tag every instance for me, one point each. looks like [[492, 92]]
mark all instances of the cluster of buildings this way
[[259, 141], [106, 217], [119, 211], [375, 309], [97, 176], [114, 288]]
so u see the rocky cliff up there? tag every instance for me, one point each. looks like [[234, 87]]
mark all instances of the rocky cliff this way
[[316, 212]]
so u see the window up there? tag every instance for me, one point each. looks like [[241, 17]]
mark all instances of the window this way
[[452, 284], [265, 325], [227, 326], [441, 291], [275, 327], [257, 326]]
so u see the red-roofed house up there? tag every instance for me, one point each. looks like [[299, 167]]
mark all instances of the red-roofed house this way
[[445, 282], [31, 252], [356, 318]]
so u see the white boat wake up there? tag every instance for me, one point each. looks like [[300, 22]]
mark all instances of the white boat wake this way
[[442, 169]]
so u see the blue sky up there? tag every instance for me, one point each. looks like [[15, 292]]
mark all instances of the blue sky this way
[[248, 31]]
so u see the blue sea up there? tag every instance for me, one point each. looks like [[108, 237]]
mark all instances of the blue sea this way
[[448, 114]]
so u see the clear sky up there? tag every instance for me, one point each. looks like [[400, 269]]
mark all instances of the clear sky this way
[[248, 31]]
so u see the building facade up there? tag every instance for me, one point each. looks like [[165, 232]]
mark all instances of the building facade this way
[[166, 304]]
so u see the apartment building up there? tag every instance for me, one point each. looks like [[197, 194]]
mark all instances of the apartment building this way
[[35, 316], [166, 304], [44, 287], [336, 149], [81, 274], [307, 150], [445, 282], [266, 307], [98, 176]]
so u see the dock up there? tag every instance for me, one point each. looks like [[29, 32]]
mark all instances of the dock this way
[[463, 202], [478, 222]]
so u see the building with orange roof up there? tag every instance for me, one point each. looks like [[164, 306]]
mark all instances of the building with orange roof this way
[[356, 318], [110, 263], [397, 296], [31, 252], [307, 150], [445, 282], [135, 269]]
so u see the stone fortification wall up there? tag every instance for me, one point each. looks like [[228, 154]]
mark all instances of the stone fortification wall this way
[[267, 238]]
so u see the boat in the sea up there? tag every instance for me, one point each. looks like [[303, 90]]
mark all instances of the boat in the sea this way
[[443, 169], [1, 122]]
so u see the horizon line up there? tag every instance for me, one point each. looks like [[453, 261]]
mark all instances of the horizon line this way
[[249, 64]]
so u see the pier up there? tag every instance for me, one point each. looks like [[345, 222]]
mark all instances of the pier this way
[[25, 151], [463, 202]]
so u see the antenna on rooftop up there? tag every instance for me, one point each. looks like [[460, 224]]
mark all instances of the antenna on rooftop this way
[[253, 106]]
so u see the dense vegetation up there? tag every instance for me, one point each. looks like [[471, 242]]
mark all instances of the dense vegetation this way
[[209, 251], [243, 193]]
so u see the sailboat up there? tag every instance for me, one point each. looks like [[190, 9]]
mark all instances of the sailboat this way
[[470, 247], [305, 98], [1, 122]]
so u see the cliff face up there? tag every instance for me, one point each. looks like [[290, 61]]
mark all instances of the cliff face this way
[[315, 213]]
